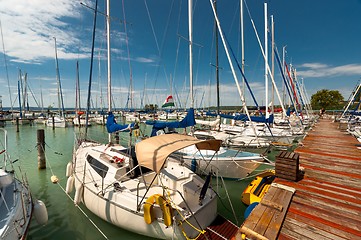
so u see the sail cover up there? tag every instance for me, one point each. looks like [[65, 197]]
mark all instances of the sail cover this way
[[187, 121], [113, 126], [154, 151]]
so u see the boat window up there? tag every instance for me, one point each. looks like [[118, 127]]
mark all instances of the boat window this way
[[99, 167]]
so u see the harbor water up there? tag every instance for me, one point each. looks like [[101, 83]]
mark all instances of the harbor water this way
[[67, 221]]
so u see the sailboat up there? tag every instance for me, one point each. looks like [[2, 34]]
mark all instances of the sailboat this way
[[58, 120], [78, 120], [142, 189], [16, 203]]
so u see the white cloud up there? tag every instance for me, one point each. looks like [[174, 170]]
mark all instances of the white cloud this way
[[317, 70], [29, 27]]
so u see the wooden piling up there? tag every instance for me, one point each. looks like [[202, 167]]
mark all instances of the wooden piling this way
[[17, 124], [53, 121], [41, 149]]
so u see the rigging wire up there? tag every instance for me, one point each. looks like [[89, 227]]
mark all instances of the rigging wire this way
[[6, 67]]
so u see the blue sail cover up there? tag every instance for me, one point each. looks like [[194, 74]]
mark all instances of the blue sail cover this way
[[187, 121], [113, 126], [243, 117]]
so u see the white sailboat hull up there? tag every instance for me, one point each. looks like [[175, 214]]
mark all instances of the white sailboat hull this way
[[118, 205], [227, 163], [59, 122], [16, 207]]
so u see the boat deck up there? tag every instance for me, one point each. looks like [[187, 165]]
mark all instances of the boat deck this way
[[327, 201]]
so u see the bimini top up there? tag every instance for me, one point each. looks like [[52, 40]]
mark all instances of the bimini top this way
[[154, 151]]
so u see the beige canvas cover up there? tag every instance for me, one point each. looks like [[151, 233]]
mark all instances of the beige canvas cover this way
[[154, 151]]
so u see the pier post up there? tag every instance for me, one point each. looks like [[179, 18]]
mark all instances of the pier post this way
[[17, 124], [53, 121], [41, 149]]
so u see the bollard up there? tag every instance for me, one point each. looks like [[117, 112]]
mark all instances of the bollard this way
[[41, 149]]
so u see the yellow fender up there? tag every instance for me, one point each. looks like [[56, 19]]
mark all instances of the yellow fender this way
[[164, 205]]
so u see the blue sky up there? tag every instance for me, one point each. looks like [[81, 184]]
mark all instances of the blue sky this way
[[149, 43]]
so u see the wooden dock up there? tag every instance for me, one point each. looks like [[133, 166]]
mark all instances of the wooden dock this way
[[327, 200]]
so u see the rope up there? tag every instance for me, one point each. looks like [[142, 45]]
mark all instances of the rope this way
[[82, 211], [184, 219]]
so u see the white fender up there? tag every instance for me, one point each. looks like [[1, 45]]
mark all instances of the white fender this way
[[69, 185], [40, 212], [69, 169], [78, 194]]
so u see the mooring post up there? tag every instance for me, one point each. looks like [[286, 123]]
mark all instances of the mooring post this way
[[53, 121], [41, 149], [17, 124]]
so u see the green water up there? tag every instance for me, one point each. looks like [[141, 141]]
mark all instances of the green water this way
[[66, 221]]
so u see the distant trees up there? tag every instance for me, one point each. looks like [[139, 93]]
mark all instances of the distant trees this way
[[151, 107], [327, 99]]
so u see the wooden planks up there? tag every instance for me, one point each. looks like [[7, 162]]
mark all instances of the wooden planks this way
[[266, 219], [327, 202]]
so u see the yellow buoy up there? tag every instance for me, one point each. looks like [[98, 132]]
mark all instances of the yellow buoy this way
[[54, 179]]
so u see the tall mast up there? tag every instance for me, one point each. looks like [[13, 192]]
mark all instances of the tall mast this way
[[273, 62], [60, 97], [217, 61], [109, 64], [242, 45], [190, 28], [266, 59]]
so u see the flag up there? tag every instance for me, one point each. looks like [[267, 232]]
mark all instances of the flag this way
[[168, 102]]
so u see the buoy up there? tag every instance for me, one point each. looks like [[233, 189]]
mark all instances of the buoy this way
[[40, 212], [54, 179], [69, 169], [78, 194], [69, 185]]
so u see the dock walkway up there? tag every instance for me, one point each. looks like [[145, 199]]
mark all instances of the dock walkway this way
[[327, 200]]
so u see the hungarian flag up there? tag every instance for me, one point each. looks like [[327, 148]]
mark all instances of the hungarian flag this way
[[168, 102]]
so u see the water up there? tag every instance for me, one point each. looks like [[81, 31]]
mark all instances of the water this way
[[66, 221]]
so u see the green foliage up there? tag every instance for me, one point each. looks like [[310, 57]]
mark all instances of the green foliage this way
[[327, 99]]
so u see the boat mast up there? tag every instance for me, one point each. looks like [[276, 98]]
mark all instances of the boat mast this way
[[217, 60], [109, 65], [266, 59], [242, 46], [60, 94], [272, 59], [190, 28]]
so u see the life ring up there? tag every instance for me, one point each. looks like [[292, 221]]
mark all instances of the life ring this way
[[165, 206]]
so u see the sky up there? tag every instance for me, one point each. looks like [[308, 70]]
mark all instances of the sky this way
[[150, 50]]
